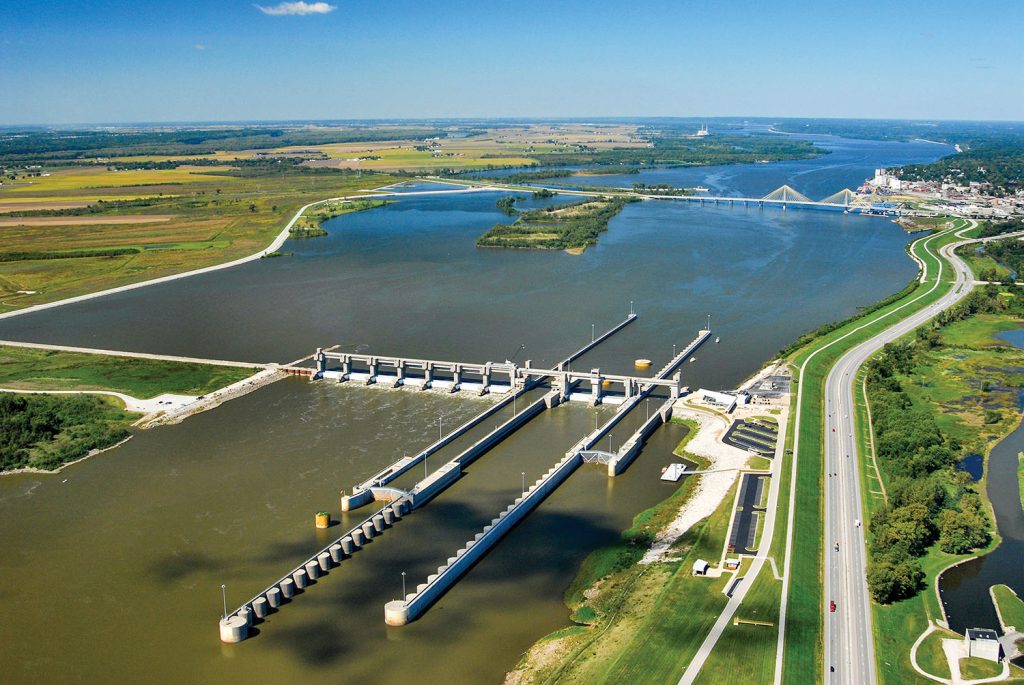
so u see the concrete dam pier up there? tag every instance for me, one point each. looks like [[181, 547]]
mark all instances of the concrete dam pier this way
[[234, 626], [399, 612], [520, 384]]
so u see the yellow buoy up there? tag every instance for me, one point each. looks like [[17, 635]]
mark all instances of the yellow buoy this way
[[323, 519], [642, 363]]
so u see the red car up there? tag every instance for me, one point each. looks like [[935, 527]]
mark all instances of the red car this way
[[832, 606]]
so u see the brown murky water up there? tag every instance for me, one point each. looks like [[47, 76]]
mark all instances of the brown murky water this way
[[112, 570]]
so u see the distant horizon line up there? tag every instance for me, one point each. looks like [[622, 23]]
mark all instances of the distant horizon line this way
[[495, 119]]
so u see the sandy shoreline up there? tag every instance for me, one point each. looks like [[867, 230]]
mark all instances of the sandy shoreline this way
[[725, 460]]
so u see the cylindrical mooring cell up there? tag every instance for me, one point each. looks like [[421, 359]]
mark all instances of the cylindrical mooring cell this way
[[358, 538], [378, 523], [389, 517], [246, 613], [233, 629], [274, 597], [347, 546], [396, 510], [368, 530], [396, 613], [300, 578], [336, 553], [324, 559], [287, 588], [312, 570], [260, 607]]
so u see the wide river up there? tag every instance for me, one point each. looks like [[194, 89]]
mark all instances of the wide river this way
[[112, 570]]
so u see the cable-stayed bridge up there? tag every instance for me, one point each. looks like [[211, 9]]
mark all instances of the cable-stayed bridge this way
[[785, 197]]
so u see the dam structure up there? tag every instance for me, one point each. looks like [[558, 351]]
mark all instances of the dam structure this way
[[234, 626], [451, 376], [376, 487], [400, 612]]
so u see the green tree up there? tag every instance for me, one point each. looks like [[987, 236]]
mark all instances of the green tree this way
[[962, 531], [889, 581]]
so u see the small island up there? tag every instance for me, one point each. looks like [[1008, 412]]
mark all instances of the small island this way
[[310, 225], [571, 227]]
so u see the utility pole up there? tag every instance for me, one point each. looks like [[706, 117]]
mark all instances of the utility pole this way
[[224, 598]]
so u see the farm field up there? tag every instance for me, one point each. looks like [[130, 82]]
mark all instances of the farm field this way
[[188, 220]]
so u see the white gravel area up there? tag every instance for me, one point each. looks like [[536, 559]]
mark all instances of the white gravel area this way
[[725, 460]]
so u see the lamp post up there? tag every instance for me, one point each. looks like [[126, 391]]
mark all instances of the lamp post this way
[[224, 598], [673, 350], [592, 332], [524, 481], [403, 585], [609, 442], [440, 435]]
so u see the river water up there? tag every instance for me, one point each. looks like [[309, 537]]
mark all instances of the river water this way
[[112, 570], [848, 163]]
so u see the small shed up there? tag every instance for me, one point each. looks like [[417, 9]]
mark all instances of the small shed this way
[[700, 567], [983, 643]]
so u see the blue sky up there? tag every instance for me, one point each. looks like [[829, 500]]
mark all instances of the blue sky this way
[[150, 60]]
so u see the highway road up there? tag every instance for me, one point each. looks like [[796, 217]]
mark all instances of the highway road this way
[[849, 646]]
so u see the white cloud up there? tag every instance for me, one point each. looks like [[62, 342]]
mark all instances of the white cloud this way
[[199, 46], [297, 8]]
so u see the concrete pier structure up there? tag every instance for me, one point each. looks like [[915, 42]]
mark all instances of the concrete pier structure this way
[[399, 503], [302, 576], [233, 629], [401, 611]]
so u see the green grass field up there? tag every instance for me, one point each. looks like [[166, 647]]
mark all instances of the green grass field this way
[[31, 369], [744, 652], [644, 623], [1020, 477], [931, 657], [973, 668], [1011, 608]]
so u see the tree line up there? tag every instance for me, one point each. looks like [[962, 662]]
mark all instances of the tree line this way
[[45, 431]]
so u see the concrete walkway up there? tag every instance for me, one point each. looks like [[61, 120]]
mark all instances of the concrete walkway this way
[[136, 355], [165, 402], [913, 655], [955, 651]]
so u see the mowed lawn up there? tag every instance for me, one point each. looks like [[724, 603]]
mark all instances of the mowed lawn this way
[[31, 369], [1011, 608]]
